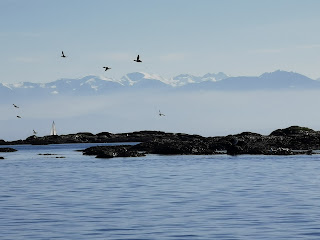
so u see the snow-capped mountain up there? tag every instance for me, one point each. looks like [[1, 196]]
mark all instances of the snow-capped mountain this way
[[94, 85], [144, 80], [184, 79], [86, 85], [214, 77], [278, 80]]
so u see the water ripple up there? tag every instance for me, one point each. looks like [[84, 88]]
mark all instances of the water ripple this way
[[158, 197]]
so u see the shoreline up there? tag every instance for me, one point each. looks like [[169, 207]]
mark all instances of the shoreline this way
[[289, 141]]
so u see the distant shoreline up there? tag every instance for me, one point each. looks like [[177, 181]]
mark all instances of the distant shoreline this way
[[289, 141]]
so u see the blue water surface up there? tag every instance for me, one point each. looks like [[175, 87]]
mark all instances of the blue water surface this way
[[157, 197]]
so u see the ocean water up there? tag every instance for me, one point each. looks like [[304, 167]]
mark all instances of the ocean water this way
[[157, 197]]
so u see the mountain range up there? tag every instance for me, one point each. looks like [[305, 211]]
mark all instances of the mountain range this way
[[94, 85]]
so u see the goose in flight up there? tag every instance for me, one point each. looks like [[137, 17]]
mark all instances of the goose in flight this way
[[138, 59], [18, 116], [63, 56], [107, 68], [161, 114], [15, 106]]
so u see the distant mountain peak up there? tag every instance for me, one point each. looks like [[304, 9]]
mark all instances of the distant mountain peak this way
[[280, 73], [92, 85], [133, 78], [214, 76]]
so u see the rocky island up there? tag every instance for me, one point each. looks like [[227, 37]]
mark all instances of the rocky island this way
[[289, 141]]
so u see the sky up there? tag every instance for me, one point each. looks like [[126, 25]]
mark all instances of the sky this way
[[172, 37], [237, 37], [204, 113]]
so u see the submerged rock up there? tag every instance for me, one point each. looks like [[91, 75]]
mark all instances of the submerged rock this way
[[7, 150]]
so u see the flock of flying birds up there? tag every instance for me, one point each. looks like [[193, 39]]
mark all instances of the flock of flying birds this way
[[18, 116], [106, 69]]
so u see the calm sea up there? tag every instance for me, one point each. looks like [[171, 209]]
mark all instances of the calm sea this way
[[157, 197]]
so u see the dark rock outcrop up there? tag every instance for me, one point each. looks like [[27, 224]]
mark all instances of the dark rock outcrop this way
[[168, 146], [243, 143], [112, 151], [7, 150], [234, 150], [293, 131], [281, 141]]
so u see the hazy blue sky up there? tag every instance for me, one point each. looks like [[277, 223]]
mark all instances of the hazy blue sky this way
[[204, 113], [239, 37]]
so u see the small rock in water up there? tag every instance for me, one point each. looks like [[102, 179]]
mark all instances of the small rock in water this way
[[8, 150], [113, 151]]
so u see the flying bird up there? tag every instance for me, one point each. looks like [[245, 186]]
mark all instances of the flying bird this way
[[18, 116], [138, 59], [15, 106], [107, 68], [34, 132], [63, 56], [161, 114]]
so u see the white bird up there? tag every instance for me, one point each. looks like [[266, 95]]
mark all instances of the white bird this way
[[107, 68]]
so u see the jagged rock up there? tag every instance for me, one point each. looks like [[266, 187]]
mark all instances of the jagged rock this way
[[158, 142]]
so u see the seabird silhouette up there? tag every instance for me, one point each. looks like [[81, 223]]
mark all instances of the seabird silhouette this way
[[107, 68], [34, 132], [15, 106], [138, 59], [18, 116], [63, 55], [161, 114]]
